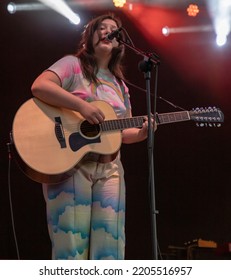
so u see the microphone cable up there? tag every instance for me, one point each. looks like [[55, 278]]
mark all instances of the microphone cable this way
[[142, 89], [158, 97]]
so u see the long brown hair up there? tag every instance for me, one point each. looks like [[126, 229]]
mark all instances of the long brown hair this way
[[86, 51]]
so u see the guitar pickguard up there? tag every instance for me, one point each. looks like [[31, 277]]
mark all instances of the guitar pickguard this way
[[77, 141]]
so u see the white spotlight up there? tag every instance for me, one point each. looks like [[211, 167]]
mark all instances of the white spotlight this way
[[222, 28], [186, 29], [165, 31], [220, 12], [11, 8], [221, 40], [74, 19]]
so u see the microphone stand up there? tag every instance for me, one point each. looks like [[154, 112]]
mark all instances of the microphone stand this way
[[149, 61]]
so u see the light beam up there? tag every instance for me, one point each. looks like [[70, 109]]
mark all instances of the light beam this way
[[61, 7]]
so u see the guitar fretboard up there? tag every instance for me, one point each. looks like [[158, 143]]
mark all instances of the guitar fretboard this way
[[120, 124], [172, 117]]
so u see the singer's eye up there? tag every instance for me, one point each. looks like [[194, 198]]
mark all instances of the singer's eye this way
[[101, 28], [108, 27]]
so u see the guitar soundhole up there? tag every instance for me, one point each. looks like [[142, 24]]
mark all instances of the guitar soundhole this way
[[89, 130]]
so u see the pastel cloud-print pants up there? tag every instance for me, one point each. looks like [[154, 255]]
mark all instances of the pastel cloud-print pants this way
[[86, 213]]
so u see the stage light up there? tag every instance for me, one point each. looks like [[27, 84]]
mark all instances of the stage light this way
[[57, 5], [220, 12], [61, 7], [221, 40], [130, 7], [165, 31], [11, 8], [222, 29], [192, 10], [119, 3]]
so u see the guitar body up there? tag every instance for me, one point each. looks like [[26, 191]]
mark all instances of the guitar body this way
[[50, 142]]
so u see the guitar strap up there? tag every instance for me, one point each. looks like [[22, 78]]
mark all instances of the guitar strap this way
[[120, 91]]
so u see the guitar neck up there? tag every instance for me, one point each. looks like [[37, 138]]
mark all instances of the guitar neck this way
[[173, 117], [120, 124]]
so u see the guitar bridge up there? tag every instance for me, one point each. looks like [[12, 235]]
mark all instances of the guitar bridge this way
[[60, 133]]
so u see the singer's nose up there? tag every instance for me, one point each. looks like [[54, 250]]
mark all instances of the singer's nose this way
[[108, 31]]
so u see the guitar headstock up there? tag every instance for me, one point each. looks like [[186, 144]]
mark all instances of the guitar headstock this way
[[209, 117]]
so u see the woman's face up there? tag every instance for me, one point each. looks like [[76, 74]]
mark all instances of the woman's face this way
[[100, 42]]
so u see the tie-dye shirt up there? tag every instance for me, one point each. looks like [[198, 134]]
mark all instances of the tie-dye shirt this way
[[71, 76]]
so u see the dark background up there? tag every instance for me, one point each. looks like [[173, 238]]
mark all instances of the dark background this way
[[192, 164]]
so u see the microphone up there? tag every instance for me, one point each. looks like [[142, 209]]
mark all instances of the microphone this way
[[113, 34]]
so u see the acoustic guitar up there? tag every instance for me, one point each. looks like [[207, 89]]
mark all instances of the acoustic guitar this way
[[50, 141]]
